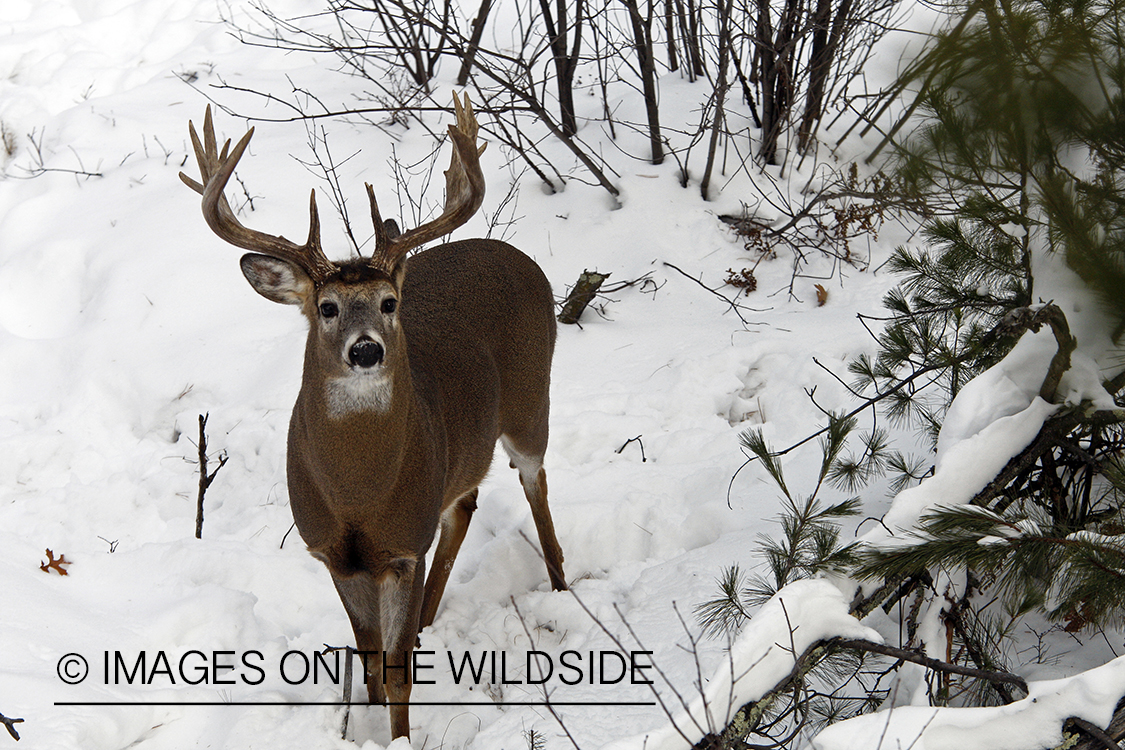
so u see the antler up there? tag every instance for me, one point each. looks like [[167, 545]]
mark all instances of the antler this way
[[464, 192], [215, 169]]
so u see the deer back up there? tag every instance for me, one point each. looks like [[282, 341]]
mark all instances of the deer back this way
[[480, 328]]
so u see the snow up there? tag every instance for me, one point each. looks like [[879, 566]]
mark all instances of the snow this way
[[122, 319], [1029, 724]]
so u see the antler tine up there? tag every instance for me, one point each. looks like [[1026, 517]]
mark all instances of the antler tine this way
[[464, 193], [467, 120], [215, 169]]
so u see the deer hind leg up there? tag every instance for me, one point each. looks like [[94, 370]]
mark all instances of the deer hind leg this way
[[454, 524], [534, 481]]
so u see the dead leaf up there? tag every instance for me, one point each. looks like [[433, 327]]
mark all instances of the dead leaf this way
[[743, 279], [821, 295], [53, 564]]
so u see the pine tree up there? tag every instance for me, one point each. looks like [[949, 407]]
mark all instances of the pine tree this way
[[1019, 152], [1023, 132]]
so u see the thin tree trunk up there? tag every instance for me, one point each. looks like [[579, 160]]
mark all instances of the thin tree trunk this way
[[691, 46], [766, 55], [404, 31], [697, 61], [670, 32], [721, 86], [603, 78], [565, 60], [435, 55], [824, 49], [779, 84], [642, 36], [474, 42]]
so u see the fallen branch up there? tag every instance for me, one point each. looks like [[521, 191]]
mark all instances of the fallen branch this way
[[581, 296], [746, 718], [9, 724], [1097, 737], [935, 664], [1095, 741]]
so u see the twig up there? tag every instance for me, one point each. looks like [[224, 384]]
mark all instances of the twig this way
[[349, 652], [205, 479], [327, 169], [542, 686], [39, 161], [731, 303], [636, 440], [930, 663], [627, 284], [837, 378]]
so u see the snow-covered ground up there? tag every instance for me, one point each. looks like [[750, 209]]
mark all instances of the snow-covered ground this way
[[122, 319]]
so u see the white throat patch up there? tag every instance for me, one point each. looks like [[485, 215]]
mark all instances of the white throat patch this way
[[358, 393]]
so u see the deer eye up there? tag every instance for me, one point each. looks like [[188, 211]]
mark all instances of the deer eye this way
[[389, 305], [329, 309]]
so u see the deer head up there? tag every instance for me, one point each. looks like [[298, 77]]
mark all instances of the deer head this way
[[355, 339]]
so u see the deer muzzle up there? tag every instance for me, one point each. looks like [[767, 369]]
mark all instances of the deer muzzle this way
[[366, 353]]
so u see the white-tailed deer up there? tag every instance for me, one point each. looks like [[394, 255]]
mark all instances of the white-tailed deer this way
[[413, 369]]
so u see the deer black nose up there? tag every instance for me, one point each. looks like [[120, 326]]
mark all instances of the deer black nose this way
[[365, 353]]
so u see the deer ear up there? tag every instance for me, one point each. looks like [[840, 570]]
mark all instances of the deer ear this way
[[277, 280], [398, 275]]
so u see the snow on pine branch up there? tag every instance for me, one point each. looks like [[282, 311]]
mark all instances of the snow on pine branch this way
[[763, 655], [992, 419]]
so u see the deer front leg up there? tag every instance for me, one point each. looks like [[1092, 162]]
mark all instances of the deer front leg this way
[[360, 595], [400, 604]]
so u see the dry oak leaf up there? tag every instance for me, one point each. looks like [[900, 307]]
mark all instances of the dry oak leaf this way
[[53, 564], [821, 295]]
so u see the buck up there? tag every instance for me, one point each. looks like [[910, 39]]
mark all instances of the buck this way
[[413, 368]]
